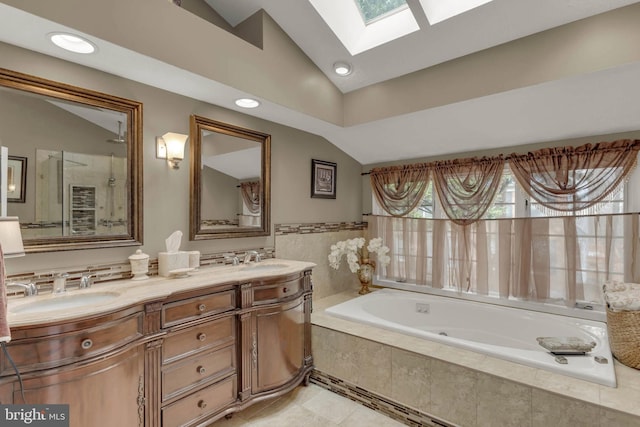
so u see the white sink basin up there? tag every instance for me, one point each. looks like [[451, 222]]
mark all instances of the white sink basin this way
[[64, 302], [263, 267]]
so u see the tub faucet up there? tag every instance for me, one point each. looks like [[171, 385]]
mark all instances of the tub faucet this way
[[29, 289], [247, 256], [60, 283]]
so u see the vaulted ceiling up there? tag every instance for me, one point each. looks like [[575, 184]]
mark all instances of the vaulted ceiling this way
[[506, 73]]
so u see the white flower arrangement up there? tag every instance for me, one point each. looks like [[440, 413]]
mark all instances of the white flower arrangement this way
[[356, 251]]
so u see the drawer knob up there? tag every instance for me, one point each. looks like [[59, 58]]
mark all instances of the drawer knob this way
[[202, 336], [284, 290], [201, 370], [202, 404], [86, 344], [202, 308]]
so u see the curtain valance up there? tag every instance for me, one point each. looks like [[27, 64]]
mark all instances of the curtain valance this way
[[561, 178], [574, 178], [250, 191], [466, 188], [399, 189]]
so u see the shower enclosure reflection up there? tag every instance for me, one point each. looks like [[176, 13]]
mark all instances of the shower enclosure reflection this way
[[83, 161], [79, 194]]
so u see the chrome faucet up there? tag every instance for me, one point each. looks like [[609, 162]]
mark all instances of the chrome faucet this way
[[29, 289], [86, 281], [234, 260], [247, 256], [60, 283]]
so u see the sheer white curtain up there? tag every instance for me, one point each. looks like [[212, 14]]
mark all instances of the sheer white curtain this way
[[558, 260]]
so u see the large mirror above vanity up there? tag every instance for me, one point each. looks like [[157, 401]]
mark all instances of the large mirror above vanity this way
[[75, 160], [230, 180]]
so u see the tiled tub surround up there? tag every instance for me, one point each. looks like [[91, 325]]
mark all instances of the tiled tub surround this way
[[312, 242], [462, 387], [502, 332]]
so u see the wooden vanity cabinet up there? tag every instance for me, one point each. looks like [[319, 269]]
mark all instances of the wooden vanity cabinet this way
[[198, 369], [277, 334], [186, 360], [96, 366]]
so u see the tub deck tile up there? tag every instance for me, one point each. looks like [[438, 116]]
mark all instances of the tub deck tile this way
[[615, 403]]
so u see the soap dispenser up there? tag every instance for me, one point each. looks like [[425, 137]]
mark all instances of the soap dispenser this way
[[139, 265]]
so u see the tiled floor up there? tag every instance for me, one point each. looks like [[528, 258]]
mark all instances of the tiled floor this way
[[310, 406]]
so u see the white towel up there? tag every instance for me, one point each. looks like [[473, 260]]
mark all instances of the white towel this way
[[622, 296], [615, 286]]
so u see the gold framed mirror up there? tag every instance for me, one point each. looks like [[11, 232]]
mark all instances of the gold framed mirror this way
[[230, 180], [81, 163]]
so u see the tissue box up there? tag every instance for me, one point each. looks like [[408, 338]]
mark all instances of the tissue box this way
[[171, 261]]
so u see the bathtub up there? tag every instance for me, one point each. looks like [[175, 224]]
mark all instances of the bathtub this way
[[498, 331]]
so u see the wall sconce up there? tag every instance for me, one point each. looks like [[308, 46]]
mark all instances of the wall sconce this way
[[170, 146], [11, 237]]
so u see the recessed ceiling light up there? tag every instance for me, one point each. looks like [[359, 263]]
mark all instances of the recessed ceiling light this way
[[72, 43], [247, 103], [342, 68]]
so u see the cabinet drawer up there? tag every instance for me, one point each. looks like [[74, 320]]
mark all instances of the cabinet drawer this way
[[204, 367], [46, 352], [193, 308], [267, 294], [201, 404], [199, 338]]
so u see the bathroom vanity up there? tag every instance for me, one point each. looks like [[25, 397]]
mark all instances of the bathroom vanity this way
[[168, 352]]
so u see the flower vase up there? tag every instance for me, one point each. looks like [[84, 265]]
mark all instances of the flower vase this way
[[365, 275]]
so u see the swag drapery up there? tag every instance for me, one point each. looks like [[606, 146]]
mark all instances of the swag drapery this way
[[563, 179], [250, 191]]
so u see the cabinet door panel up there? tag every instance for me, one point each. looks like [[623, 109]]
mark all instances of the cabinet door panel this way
[[278, 341], [106, 393]]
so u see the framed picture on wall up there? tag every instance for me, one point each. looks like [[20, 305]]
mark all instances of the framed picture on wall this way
[[16, 179], [323, 179]]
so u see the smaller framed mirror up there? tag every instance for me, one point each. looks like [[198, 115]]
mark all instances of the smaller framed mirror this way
[[230, 180]]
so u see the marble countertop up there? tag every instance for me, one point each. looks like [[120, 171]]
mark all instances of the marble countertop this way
[[112, 296]]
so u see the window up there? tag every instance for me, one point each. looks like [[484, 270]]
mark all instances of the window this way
[[372, 10], [557, 258]]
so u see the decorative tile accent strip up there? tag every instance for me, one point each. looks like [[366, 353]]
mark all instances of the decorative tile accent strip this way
[[118, 270], [318, 227], [388, 407]]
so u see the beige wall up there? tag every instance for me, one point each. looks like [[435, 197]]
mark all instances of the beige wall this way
[[588, 45], [166, 191], [279, 72]]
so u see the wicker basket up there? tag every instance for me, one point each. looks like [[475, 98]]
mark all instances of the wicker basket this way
[[624, 336]]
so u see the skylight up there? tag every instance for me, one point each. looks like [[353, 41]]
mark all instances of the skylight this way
[[372, 10], [364, 24], [440, 10], [346, 21]]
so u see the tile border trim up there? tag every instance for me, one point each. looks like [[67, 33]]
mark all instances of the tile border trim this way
[[378, 403], [318, 227]]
